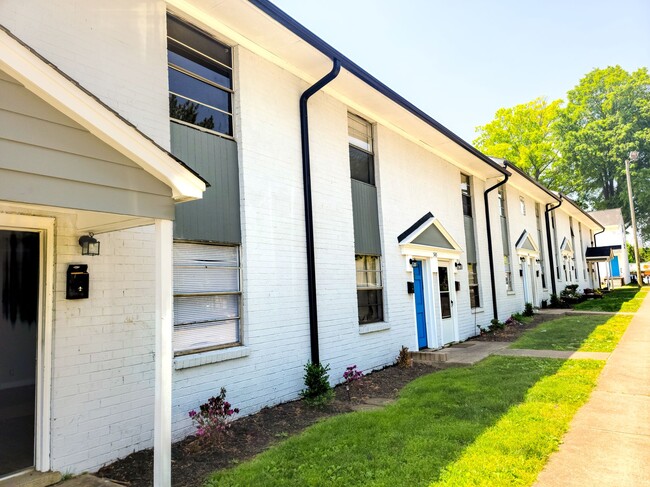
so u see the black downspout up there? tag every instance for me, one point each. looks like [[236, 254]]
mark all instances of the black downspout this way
[[309, 217], [489, 238], [549, 244]]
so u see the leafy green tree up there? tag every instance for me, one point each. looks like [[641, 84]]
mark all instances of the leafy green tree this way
[[606, 117], [644, 253], [524, 136]]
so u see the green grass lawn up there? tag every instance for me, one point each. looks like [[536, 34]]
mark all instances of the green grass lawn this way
[[585, 333], [491, 424], [626, 298]]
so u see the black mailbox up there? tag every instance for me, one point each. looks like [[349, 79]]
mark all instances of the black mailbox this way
[[77, 282], [410, 287], [457, 283]]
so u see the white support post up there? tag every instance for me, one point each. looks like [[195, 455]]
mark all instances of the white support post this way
[[162, 466]]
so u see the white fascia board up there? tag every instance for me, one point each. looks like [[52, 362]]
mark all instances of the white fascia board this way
[[344, 88], [50, 85]]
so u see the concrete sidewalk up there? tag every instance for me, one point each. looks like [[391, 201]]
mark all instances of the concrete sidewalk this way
[[608, 442]]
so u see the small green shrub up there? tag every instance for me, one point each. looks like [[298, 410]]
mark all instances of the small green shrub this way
[[555, 301], [528, 309], [318, 390], [518, 317], [496, 325], [544, 303]]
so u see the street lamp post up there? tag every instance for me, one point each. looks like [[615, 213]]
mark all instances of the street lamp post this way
[[633, 156]]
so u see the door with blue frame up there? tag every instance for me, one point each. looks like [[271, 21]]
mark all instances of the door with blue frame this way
[[420, 314]]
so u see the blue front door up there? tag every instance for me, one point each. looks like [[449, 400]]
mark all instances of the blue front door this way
[[419, 305], [615, 270]]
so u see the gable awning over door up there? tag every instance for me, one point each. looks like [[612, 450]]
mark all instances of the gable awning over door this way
[[429, 235]]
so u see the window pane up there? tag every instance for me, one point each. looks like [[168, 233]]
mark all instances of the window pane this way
[[361, 166], [370, 304], [207, 320], [443, 279], [206, 94], [195, 63], [474, 298], [359, 132], [445, 305], [199, 309], [199, 41], [187, 111], [205, 335], [203, 254]]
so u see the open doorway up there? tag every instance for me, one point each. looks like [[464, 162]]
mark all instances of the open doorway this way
[[19, 322]]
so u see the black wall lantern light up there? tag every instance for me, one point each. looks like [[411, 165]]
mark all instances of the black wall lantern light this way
[[89, 244], [458, 265], [413, 262]]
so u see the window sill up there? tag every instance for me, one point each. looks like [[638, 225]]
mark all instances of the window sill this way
[[210, 357], [373, 327], [476, 311], [510, 293]]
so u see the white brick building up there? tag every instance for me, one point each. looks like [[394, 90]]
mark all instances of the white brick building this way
[[401, 254]]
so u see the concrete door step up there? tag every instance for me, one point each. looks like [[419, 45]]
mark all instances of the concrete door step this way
[[429, 356], [32, 478]]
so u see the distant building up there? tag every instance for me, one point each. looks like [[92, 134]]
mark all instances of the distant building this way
[[614, 235]]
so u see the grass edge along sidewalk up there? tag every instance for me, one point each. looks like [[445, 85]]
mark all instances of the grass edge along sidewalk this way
[[626, 299], [493, 423], [583, 333]]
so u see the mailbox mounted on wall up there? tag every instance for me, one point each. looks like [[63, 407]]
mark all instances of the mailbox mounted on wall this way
[[77, 282], [410, 287]]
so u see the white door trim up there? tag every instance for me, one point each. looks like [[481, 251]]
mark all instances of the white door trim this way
[[45, 227]]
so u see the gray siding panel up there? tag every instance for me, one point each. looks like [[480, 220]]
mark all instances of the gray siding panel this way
[[23, 187], [433, 238], [470, 239], [366, 219], [214, 218], [46, 158]]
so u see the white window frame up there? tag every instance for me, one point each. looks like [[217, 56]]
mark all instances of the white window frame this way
[[238, 343]]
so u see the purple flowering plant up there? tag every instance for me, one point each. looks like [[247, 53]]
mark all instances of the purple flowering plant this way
[[213, 417], [351, 375]]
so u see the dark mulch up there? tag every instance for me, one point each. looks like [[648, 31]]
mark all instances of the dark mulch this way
[[253, 434], [511, 332]]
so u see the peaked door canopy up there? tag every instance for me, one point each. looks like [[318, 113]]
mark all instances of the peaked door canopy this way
[[429, 235], [566, 246], [526, 245]]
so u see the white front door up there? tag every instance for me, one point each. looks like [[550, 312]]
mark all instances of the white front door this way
[[447, 295]]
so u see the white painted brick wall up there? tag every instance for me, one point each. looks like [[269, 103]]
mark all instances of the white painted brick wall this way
[[117, 50], [102, 349]]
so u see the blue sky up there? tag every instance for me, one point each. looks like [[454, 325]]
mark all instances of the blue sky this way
[[462, 60]]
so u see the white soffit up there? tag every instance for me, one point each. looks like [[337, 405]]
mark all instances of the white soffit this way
[[49, 84], [244, 24]]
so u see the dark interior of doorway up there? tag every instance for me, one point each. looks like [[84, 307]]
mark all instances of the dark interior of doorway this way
[[19, 281]]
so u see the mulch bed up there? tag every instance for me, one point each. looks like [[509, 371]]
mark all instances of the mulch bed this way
[[253, 434]]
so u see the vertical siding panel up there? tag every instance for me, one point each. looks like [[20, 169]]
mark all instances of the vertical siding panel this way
[[216, 217], [366, 220]]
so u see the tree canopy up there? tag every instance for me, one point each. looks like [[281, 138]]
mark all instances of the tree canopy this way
[[524, 136], [580, 148], [606, 117]]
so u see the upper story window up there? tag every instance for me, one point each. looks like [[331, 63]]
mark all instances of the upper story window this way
[[362, 161], [502, 202], [200, 78], [466, 192]]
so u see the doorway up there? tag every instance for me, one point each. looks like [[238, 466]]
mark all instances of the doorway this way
[[446, 293], [420, 313], [20, 260]]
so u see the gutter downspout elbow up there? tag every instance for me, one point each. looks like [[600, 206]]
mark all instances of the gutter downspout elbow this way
[[309, 217], [549, 243], [495, 311]]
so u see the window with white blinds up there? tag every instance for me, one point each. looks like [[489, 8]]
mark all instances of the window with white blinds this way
[[207, 297]]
